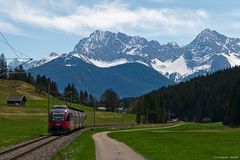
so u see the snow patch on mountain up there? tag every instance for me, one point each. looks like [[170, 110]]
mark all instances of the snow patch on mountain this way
[[101, 63], [106, 64], [84, 58], [46, 59], [141, 62], [70, 65], [233, 59], [202, 67], [133, 51], [169, 67]]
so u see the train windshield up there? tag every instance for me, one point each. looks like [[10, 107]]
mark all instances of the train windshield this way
[[58, 115]]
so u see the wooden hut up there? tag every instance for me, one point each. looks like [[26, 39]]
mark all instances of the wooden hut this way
[[16, 100]]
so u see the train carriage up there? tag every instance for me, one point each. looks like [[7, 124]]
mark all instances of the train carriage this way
[[64, 119]]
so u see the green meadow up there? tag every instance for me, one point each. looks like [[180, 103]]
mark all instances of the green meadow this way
[[188, 141], [19, 124]]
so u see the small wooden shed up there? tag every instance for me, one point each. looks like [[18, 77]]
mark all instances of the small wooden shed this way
[[16, 100]]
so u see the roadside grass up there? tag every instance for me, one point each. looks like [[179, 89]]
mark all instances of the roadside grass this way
[[185, 142], [199, 126], [23, 123], [16, 129], [83, 147]]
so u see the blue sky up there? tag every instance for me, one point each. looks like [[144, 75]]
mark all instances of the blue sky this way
[[39, 27]]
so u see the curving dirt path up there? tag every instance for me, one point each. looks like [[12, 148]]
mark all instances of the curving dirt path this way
[[111, 149]]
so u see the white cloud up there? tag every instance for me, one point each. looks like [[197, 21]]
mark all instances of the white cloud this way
[[235, 13], [9, 28], [115, 16], [161, 1]]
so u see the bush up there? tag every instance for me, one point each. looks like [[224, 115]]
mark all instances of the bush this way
[[206, 120]]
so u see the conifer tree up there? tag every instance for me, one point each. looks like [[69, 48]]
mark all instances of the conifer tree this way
[[3, 67], [74, 93], [91, 100], [233, 110], [20, 74], [81, 97], [85, 97]]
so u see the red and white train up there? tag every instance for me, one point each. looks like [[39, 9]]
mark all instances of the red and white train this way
[[64, 119]]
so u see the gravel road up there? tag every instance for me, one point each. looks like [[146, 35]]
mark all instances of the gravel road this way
[[111, 149]]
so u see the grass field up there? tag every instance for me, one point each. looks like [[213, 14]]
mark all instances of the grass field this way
[[186, 142], [82, 147], [22, 123]]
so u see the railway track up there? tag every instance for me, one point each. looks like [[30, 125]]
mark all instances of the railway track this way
[[23, 149], [19, 151]]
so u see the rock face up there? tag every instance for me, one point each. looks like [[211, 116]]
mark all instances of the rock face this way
[[107, 51], [208, 52]]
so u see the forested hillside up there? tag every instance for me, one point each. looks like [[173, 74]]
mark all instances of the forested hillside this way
[[203, 97]]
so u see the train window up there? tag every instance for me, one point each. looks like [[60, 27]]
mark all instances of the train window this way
[[58, 116]]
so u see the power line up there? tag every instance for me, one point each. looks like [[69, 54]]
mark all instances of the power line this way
[[4, 42], [9, 44], [14, 50]]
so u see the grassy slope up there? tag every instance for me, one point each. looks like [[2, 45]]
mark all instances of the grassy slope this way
[[186, 142], [18, 124], [22, 123]]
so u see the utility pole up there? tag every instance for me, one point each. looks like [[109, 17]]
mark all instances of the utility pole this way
[[71, 100], [48, 104], [121, 105], [94, 114], [122, 118], [53, 101], [169, 114], [147, 115]]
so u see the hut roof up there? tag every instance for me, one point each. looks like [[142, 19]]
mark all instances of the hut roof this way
[[16, 98]]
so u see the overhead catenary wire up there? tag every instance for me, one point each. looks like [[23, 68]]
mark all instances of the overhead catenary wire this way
[[14, 50], [4, 42], [9, 44]]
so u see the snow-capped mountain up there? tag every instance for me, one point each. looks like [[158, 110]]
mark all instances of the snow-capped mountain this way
[[115, 60], [46, 59], [108, 47], [208, 52], [32, 63], [130, 79], [24, 62]]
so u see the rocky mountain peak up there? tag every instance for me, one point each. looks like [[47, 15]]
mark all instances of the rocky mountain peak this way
[[173, 44], [208, 35], [209, 51], [53, 54]]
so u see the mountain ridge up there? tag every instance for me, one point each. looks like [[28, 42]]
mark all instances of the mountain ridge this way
[[210, 51], [127, 80], [204, 53]]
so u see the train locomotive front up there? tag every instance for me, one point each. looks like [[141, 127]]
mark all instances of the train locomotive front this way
[[64, 119]]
